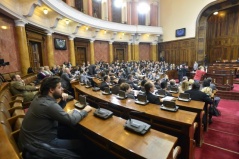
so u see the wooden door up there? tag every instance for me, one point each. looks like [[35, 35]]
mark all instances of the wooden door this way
[[119, 54], [35, 55], [80, 55]]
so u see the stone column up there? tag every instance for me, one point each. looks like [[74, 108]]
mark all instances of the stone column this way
[[129, 52], [72, 51], [136, 51], [154, 14], [110, 10], [90, 10], [111, 52], [50, 49], [134, 12], [22, 46], [129, 13], [153, 51], [92, 52]]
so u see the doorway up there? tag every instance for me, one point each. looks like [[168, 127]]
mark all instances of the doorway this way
[[119, 54], [35, 55], [80, 55]]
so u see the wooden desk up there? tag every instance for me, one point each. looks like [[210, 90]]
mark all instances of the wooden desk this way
[[111, 135], [179, 124]]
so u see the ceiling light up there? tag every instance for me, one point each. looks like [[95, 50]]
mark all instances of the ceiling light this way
[[45, 11], [67, 21], [143, 8], [105, 32], [118, 3], [86, 28], [4, 27], [215, 13]]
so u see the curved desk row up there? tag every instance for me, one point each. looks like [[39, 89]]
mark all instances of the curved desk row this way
[[180, 124], [111, 135]]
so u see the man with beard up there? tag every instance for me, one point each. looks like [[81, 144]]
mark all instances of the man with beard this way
[[41, 121]]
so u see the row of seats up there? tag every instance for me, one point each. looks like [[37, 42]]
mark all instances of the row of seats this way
[[7, 76], [11, 117]]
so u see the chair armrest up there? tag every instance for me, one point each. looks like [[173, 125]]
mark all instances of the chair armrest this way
[[15, 135], [13, 119], [176, 152], [14, 101], [11, 110]]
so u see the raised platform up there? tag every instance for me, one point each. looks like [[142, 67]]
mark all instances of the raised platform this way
[[233, 94]]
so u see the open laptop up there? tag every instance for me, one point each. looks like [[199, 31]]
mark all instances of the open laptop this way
[[121, 95], [82, 102], [141, 99], [161, 93], [88, 84], [173, 90], [184, 97], [107, 91], [169, 105]]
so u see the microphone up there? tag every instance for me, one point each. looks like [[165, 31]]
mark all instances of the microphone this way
[[136, 126], [103, 113]]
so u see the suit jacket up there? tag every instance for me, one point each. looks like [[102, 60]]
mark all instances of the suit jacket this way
[[28, 92], [152, 98], [65, 81], [103, 85], [133, 85], [199, 96]]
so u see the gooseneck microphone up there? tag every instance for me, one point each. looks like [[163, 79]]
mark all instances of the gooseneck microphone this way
[[103, 113], [136, 126]]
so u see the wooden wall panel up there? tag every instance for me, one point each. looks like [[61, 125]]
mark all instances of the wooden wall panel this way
[[223, 35], [179, 52]]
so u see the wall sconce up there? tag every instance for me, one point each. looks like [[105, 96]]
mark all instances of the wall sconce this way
[[86, 28], [45, 11], [67, 21], [104, 31]]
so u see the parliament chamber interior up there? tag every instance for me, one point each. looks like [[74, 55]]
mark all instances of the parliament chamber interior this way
[[116, 56]]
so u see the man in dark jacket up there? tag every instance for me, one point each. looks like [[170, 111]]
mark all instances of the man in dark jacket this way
[[149, 89], [196, 94]]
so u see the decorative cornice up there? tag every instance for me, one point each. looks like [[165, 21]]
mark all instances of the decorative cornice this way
[[49, 32], [71, 37], [113, 35], [77, 28], [33, 7], [56, 21]]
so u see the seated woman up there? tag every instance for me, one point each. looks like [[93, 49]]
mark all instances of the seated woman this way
[[126, 87], [183, 87]]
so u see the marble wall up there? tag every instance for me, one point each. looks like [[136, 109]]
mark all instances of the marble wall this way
[[61, 56], [101, 51], [8, 45], [144, 51]]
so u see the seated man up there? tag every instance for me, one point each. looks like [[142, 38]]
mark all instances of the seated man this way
[[149, 89], [131, 82], [17, 86], [127, 89], [41, 121], [164, 86], [196, 94], [105, 83], [66, 79]]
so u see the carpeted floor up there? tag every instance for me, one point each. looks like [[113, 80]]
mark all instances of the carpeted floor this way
[[222, 139]]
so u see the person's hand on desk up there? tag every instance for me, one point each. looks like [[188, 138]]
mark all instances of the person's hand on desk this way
[[64, 96], [87, 108]]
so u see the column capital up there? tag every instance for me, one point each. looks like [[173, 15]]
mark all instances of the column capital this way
[[129, 43], [153, 43], [92, 40], [71, 37], [111, 42], [20, 22], [49, 32], [136, 43]]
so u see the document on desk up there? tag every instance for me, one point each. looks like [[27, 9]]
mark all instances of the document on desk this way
[[168, 98]]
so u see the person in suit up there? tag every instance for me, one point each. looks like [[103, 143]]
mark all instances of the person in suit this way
[[17, 86], [44, 114], [149, 89], [66, 79], [180, 73], [131, 82], [196, 94], [127, 89], [105, 83], [164, 86]]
